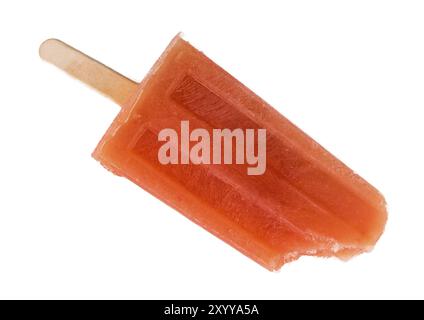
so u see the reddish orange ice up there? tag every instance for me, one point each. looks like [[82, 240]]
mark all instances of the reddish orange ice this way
[[306, 203]]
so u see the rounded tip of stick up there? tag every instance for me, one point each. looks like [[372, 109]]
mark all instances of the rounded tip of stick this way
[[47, 46], [56, 52]]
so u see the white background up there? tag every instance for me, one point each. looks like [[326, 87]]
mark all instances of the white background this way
[[350, 73]]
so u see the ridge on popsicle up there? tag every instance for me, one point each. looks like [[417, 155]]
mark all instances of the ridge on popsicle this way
[[306, 202]]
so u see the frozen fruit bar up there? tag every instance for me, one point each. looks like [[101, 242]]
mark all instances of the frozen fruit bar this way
[[305, 202], [203, 143]]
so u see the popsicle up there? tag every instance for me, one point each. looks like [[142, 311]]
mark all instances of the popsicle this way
[[292, 198]]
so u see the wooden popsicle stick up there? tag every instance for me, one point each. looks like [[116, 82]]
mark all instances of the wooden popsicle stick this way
[[88, 70]]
